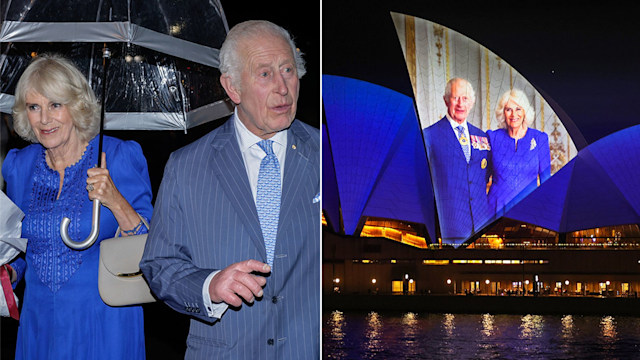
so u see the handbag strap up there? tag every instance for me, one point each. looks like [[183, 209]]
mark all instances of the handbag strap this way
[[144, 221]]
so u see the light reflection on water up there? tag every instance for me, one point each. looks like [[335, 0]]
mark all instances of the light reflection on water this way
[[487, 325], [373, 335], [379, 335], [568, 329], [609, 333], [531, 327], [410, 334], [336, 324], [608, 326]]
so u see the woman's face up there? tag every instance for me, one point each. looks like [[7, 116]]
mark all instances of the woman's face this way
[[513, 115], [50, 121]]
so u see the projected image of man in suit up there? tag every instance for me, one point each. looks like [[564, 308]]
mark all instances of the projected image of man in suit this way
[[460, 166], [235, 238]]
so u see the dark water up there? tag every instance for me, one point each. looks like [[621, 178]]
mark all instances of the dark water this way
[[454, 336]]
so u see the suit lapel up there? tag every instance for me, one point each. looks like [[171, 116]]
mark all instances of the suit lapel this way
[[228, 167], [452, 138], [298, 155]]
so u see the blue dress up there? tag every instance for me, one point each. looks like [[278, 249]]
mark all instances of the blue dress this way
[[516, 166], [62, 315]]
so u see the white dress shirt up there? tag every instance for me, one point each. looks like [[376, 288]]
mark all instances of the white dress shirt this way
[[252, 155]]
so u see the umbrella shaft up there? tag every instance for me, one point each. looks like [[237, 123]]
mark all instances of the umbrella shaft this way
[[106, 59]]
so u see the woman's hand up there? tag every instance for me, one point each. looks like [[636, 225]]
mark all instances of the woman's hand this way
[[100, 186]]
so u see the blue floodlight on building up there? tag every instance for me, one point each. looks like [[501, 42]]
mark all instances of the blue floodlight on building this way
[[378, 154]]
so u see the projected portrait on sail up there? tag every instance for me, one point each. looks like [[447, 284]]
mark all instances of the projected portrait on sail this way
[[490, 137]]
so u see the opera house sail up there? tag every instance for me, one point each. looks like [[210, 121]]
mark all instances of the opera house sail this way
[[475, 184]]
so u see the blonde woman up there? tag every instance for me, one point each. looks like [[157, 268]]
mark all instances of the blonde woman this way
[[520, 155], [62, 315]]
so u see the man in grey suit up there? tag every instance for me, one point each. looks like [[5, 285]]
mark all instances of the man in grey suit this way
[[235, 237]]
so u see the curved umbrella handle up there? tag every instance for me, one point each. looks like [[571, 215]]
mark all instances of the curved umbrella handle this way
[[93, 236]]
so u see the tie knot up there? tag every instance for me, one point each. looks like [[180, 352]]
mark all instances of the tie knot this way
[[460, 128], [266, 146]]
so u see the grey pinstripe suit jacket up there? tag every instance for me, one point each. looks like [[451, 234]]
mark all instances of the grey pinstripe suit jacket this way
[[205, 219]]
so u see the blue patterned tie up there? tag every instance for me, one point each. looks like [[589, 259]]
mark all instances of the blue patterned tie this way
[[464, 142], [268, 198]]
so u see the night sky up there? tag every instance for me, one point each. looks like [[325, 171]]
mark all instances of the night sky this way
[[584, 58]]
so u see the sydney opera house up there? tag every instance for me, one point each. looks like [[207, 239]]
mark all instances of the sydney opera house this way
[[388, 227]]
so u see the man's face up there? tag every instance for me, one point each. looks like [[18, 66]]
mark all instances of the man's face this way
[[267, 94], [460, 102]]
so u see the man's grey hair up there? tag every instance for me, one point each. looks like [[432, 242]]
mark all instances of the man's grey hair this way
[[231, 62], [447, 89]]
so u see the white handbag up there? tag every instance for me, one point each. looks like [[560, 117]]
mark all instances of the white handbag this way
[[120, 279]]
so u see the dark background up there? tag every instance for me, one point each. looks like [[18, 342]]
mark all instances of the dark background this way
[[584, 58]]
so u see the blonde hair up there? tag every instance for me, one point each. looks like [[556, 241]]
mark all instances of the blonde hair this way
[[60, 81], [520, 98]]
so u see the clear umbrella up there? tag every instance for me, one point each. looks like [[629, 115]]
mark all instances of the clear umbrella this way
[[163, 72]]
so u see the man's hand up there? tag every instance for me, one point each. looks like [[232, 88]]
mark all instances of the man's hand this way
[[236, 283]]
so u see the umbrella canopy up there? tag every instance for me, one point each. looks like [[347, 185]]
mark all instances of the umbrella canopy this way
[[599, 187], [164, 64]]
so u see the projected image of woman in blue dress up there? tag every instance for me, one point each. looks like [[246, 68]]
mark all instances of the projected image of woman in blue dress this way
[[520, 155]]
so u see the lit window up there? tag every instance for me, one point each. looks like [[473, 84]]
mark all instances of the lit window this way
[[435, 262], [603, 286]]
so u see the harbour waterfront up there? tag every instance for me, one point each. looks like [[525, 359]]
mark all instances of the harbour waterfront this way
[[425, 335], [481, 304]]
